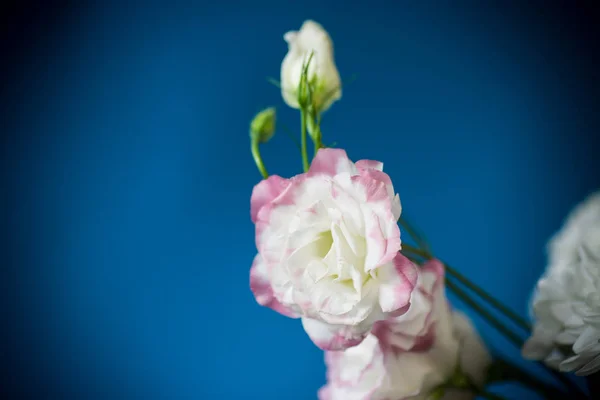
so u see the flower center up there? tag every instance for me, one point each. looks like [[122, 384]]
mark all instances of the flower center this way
[[324, 244]]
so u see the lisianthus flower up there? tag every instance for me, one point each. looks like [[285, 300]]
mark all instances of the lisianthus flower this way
[[566, 302], [328, 249], [378, 368]]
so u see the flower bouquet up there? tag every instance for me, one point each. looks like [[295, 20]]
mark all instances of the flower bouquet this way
[[330, 254]]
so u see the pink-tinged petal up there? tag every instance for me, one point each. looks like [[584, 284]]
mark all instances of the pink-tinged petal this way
[[358, 373], [436, 268], [369, 165], [380, 176], [265, 192], [377, 174], [398, 284], [287, 197], [262, 290], [383, 239], [331, 162], [330, 337], [324, 393], [375, 189], [426, 341]]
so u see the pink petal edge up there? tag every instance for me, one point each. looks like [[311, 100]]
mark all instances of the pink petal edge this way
[[326, 337], [265, 192], [262, 290], [330, 162]]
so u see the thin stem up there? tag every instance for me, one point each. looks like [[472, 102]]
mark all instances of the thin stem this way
[[515, 339], [290, 134], [566, 381], [317, 134], [500, 327], [476, 289], [317, 142], [508, 333], [416, 251], [507, 371], [258, 159], [305, 165], [413, 233], [489, 298], [461, 294]]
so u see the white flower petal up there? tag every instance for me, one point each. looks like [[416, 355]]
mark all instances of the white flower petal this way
[[566, 302]]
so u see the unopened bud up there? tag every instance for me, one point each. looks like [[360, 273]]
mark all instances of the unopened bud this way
[[262, 127]]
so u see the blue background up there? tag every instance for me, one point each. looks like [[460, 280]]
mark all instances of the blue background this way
[[127, 176]]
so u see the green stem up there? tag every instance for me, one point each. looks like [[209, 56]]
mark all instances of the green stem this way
[[317, 134], [500, 327], [462, 295], [476, 289], [489, 298], [515, 339], [305, 164], [258, 159], [502, 371], [415, 251], [413, 233], [566, 381], [317, 142]]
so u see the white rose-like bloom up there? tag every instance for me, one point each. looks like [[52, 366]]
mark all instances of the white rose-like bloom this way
[[322, 72], [328, 249], [379, 370], [566, 303]]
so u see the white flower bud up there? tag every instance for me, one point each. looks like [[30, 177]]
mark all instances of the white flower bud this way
[[323, 76]]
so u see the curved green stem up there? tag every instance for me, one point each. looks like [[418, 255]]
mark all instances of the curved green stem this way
[[305, 164], [258, 159]]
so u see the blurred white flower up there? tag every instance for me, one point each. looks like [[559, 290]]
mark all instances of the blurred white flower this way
[[566, 302], [322, 74], [378, 369]]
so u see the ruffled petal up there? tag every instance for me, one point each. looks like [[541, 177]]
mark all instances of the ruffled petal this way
[[331, 337], [331, 162], [264, 192], [398, 281], [262, 290]]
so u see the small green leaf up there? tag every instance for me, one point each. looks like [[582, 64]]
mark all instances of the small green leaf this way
[[290, 134], [274, 82]]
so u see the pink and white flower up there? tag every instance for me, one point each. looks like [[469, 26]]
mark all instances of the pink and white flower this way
[[376, 370], [328, 244]]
